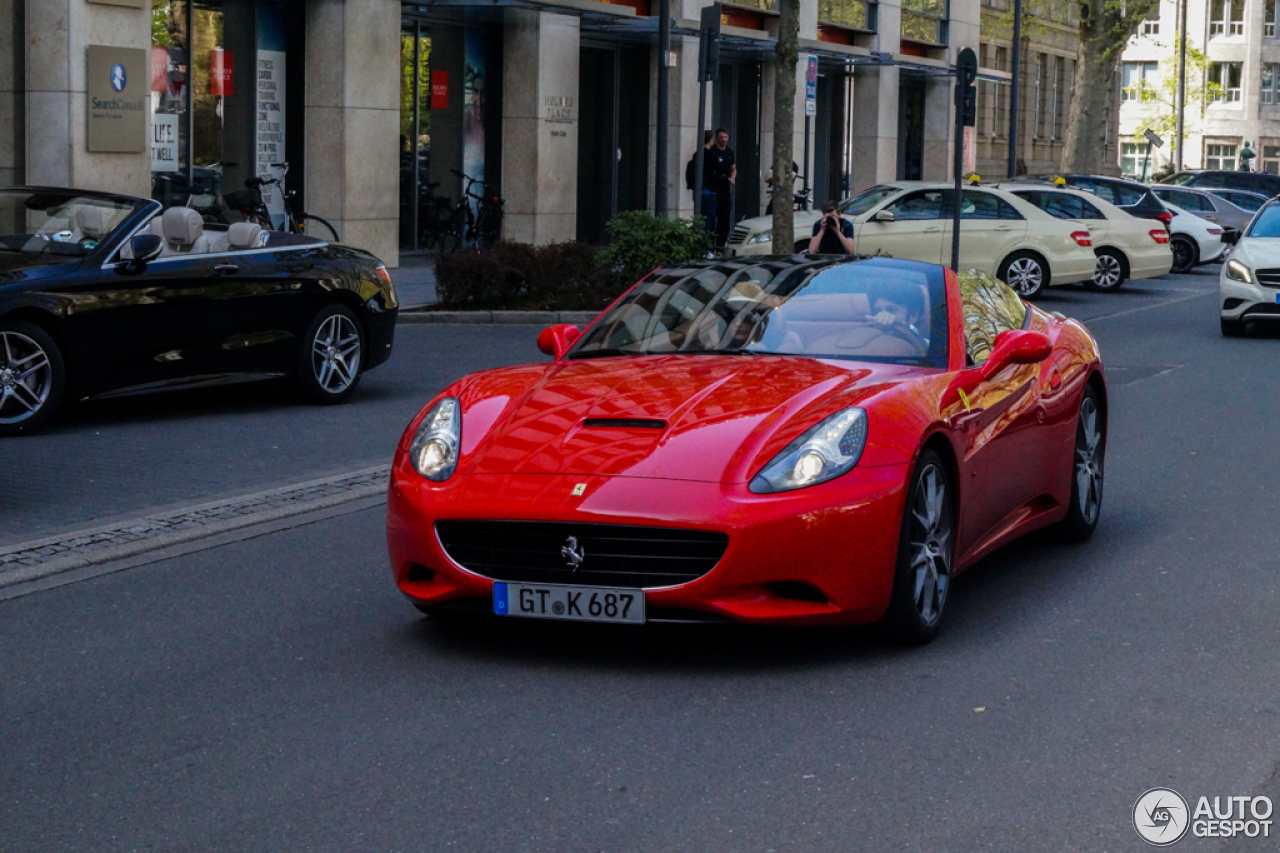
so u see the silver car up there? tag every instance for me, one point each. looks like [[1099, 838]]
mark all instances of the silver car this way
[[1206, 205]]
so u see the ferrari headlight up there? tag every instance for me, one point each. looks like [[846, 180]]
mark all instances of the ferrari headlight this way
[[823, 453], [1237, 271], [762, 237], [434, 451]]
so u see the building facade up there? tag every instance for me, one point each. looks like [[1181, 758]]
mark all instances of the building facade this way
[[1048, 58], [379, 107], [1240, 83]]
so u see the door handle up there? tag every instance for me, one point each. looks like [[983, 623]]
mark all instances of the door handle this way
[[226, 269]]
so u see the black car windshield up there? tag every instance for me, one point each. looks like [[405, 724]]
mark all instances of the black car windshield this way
[[58, 224], [879, 310], [1266, 223]]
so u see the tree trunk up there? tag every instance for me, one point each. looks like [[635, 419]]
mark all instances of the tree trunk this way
[[784, 106], [1105, 29]]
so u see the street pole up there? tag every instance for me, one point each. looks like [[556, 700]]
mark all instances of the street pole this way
[[664, 100], [805, 190], [699, 153], [966, 104], [1146, 163], [1182, 82], [1013, 89]]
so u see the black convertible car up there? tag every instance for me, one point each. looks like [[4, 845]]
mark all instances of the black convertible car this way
[[103, 295]]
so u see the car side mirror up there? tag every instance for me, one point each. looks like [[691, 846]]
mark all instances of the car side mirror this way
[[556, 340], [143, 248], [1016, 346], [1230, 236], [884, 216]]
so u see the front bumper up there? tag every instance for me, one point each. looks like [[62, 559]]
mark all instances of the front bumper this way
[[839, 538], [1244, 301]]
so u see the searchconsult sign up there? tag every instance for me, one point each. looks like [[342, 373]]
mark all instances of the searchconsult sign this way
[[118, 88]]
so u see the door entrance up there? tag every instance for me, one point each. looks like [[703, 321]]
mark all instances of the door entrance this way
[[613, 136], [911, 127], [735, 106], [831, 166]]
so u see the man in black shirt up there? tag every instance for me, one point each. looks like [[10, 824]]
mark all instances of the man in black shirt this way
[[723, 169], [832, 235]]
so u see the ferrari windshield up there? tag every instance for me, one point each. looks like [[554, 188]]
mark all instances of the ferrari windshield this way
[[58, 224], [879, 309]]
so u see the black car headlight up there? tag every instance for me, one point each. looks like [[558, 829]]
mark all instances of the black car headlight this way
[[434, 451], [825, 452]]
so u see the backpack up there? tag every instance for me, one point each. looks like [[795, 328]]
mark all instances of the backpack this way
[[690, 172]]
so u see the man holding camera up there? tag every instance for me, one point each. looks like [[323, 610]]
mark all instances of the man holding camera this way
[[832, 235]]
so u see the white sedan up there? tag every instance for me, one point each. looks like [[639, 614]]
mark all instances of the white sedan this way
[[1126, 246], [1249, 283], [1194, 241], [1000, 234]]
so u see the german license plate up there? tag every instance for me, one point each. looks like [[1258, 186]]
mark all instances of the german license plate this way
[[579, 603]]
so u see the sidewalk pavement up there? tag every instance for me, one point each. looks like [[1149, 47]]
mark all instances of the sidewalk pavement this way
[[415, 280]]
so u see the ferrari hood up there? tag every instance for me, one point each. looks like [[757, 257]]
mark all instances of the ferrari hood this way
[[704, 418]]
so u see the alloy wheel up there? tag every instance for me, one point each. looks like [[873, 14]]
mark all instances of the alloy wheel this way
[[930, 545], [1088, 462], [1025, 276], [1107, 274], [335, 354], [1183, 254], [26, 377]]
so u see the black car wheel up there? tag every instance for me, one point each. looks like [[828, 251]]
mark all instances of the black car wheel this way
[[1025, 272], [1085, 506], [1109, 274], [1231, 328], [1184, 253], [922, 578], [329, 367], [32, 377]]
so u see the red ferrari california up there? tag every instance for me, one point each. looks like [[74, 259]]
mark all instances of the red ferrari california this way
[[806, 441]]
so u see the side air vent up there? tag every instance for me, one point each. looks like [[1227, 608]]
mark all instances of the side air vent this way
[[623, 423]]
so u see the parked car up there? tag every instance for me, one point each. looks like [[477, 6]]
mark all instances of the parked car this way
[[1126, 246], [999, 233], [1134, 199], [1249, 283], [1258, 182], [710, 446], [104, 295], [1194, 241], [1206, 205], [1243, 199]]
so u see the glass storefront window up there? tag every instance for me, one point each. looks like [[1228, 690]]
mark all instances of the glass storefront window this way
[[846, 13], [170, 73], [925, 21]]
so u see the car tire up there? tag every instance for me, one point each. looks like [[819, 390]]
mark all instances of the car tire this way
[[1110, 273], [33, 377], [1087, 454], [926, 552], [332, 356], [1029, 272], [1232, 328], [1184, 251]]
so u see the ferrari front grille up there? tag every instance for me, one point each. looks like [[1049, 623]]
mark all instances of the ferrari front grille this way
[[584, 554], [1268, 278]]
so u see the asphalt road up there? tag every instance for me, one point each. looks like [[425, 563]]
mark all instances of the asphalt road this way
[[276, 694]]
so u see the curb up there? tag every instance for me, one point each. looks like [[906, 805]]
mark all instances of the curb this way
[[496, 318]]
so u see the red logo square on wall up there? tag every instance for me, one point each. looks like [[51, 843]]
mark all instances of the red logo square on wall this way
[[222, 73], [439, 90]]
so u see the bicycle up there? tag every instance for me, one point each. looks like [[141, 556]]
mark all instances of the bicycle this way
[[482, 227], [250, 203]]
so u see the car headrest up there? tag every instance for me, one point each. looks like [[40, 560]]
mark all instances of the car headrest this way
[[94, 221], [835, 307], [182, 226], [244, 235]]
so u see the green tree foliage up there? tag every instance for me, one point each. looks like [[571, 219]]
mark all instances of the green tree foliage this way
[[642, 242], [1160, 100]]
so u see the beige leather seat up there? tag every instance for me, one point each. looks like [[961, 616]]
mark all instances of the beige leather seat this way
[[239, 237], [94, 222], [183, 232]]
